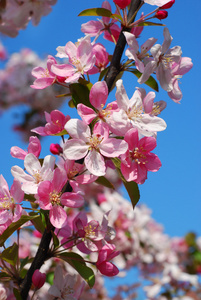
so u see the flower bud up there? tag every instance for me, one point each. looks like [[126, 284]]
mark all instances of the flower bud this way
[[56, 149], [161, 14], [38, 279], [122, 3], [168, 5]]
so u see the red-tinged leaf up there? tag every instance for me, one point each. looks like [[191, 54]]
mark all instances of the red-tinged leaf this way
[[101, 12]]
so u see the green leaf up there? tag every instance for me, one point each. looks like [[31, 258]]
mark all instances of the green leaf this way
[[71, 103], [50, 278], [17, 294], [105, 182], [80, 94], [14, 226], [10, 254], [117, 17], [150, 24], [101, 12], [55, 240], [103, 73], [38, 223], [24, 261], [77, 262], [151, 82], [131, 186]]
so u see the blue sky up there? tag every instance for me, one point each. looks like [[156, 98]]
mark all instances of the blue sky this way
[[173, 193]]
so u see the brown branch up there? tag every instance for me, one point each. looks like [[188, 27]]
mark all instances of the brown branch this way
[[41, 256], [115, 66]]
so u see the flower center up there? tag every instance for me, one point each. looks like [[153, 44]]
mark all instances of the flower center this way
[[135, 112], [95, 141], [138, 156], [38, 177], [89, 230], [7, 203], [55, 198]]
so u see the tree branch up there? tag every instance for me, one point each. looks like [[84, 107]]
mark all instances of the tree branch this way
[[115, 66]]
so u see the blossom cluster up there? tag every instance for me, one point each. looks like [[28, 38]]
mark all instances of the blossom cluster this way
[[16, 14], [15, 80], [71, 192]]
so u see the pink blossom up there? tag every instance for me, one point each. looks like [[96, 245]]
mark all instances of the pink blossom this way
[[92, 146], [105, 25], [38, 279], [138, 160], [103, 263], [177, 70], [56, 149], [63, 287], [131, 113], [33, 147], [76, 172], [10, 210], [98, 96], [44, 77], [88, 232], [163, 58], [81, 60], [101, 59], [55, 124], [37, 172], [133, 51], [50, 197]]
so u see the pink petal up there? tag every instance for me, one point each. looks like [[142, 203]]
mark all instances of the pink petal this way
[[98, 94], [72, 200], [86, 113], [58, 216], [95, 163], [113, 147], [75, 149]]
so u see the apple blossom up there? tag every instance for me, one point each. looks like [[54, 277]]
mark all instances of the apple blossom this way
[[10, 210], [63, 287], [81, 60], [37, 172], [98, 96], [131, 114], [50, 197], [138, 159], [103, 263], [55, 123], [93, 146], [133, 51], [106, 26], [163, 58], [33, 147]]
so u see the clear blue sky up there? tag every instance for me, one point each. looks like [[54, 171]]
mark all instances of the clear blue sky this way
[[173, 193]]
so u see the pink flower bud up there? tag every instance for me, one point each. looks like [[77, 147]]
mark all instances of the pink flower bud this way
[[56, 149], [38, 279], [122, 3], [161, 14], [168, 5]]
